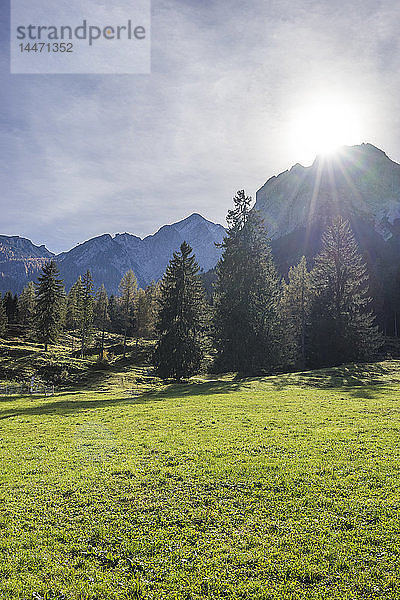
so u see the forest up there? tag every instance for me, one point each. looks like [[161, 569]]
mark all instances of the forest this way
[[252, 322]]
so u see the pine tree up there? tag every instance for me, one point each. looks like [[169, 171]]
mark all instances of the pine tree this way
[[64, 302], [3, 318], [10, 303], [181, 320], [295, 309], [114, 310], [343, 324], [27, 306], [101, 316], [86, 307], [73, 316], [49, 299], [128, 291], [246, 295], [146, 311]]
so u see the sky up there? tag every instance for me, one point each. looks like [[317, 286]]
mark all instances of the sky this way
[[81, 155]]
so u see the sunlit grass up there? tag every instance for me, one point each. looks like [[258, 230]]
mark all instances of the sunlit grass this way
[[277, 488]]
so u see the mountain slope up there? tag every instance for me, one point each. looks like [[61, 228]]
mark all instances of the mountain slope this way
[[20, 261], [363, 185], [360, 181], [108, 258]]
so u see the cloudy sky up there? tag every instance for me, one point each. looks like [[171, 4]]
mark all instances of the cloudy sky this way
[[86, 154]]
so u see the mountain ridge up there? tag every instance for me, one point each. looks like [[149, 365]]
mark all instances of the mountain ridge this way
[[108, 256], [358, 180], [361, 183]]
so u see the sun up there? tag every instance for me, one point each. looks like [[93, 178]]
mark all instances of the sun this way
[[323, 125]]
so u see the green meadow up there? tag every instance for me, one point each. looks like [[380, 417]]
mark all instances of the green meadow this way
[[277, 488]]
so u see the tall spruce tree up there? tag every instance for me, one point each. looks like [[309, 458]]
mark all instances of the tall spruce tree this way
[[114, 310], [146, 311], [3, 318], [128, 290], [246, 295], [49, 304], [27, 306], [343, 325], [10, 303], [295, 310], [86, 311], [101, 315], [73, 316], [181, 319]]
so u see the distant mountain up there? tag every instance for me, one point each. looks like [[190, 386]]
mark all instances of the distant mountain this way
[[20, 261], [359, 183], [108, 258], [16, 248]]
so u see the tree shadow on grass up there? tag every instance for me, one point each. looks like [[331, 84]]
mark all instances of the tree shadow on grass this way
[[65, 407], [362, 380], [365, 393], [206, 388]]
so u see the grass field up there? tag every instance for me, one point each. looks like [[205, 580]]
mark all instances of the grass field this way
[[286, 487]]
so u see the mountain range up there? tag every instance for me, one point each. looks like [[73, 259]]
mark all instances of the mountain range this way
[[109, 257], [359, 182]]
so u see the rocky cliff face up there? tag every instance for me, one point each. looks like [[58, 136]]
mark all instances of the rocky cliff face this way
[[359, 182], [108, 258], [16, 248], [20, 261]]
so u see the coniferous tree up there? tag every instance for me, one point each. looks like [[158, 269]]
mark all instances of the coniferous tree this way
[[295, 310], [3, 318], [128, 291], [101, 316], [10, 303], [115, 314], [27, 306], [246, 295], [73, 316], [49, 300], [86, 311], [64, 301], [343, 325], [146, 311], [141, 313], [152, 292], [181, 319]]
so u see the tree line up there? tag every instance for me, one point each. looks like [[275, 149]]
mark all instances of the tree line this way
[[45, 310], [254, 323]]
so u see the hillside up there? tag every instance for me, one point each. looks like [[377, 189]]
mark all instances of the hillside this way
[[279, 487]]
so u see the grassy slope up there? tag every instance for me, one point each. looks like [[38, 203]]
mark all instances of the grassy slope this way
[[21, 358], [284, 487]]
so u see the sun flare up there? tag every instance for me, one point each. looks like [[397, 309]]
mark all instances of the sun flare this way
[[323, 125]]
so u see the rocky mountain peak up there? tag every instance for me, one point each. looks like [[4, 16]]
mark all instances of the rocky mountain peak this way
[[110, 257], [15, 247], [356, 182]]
